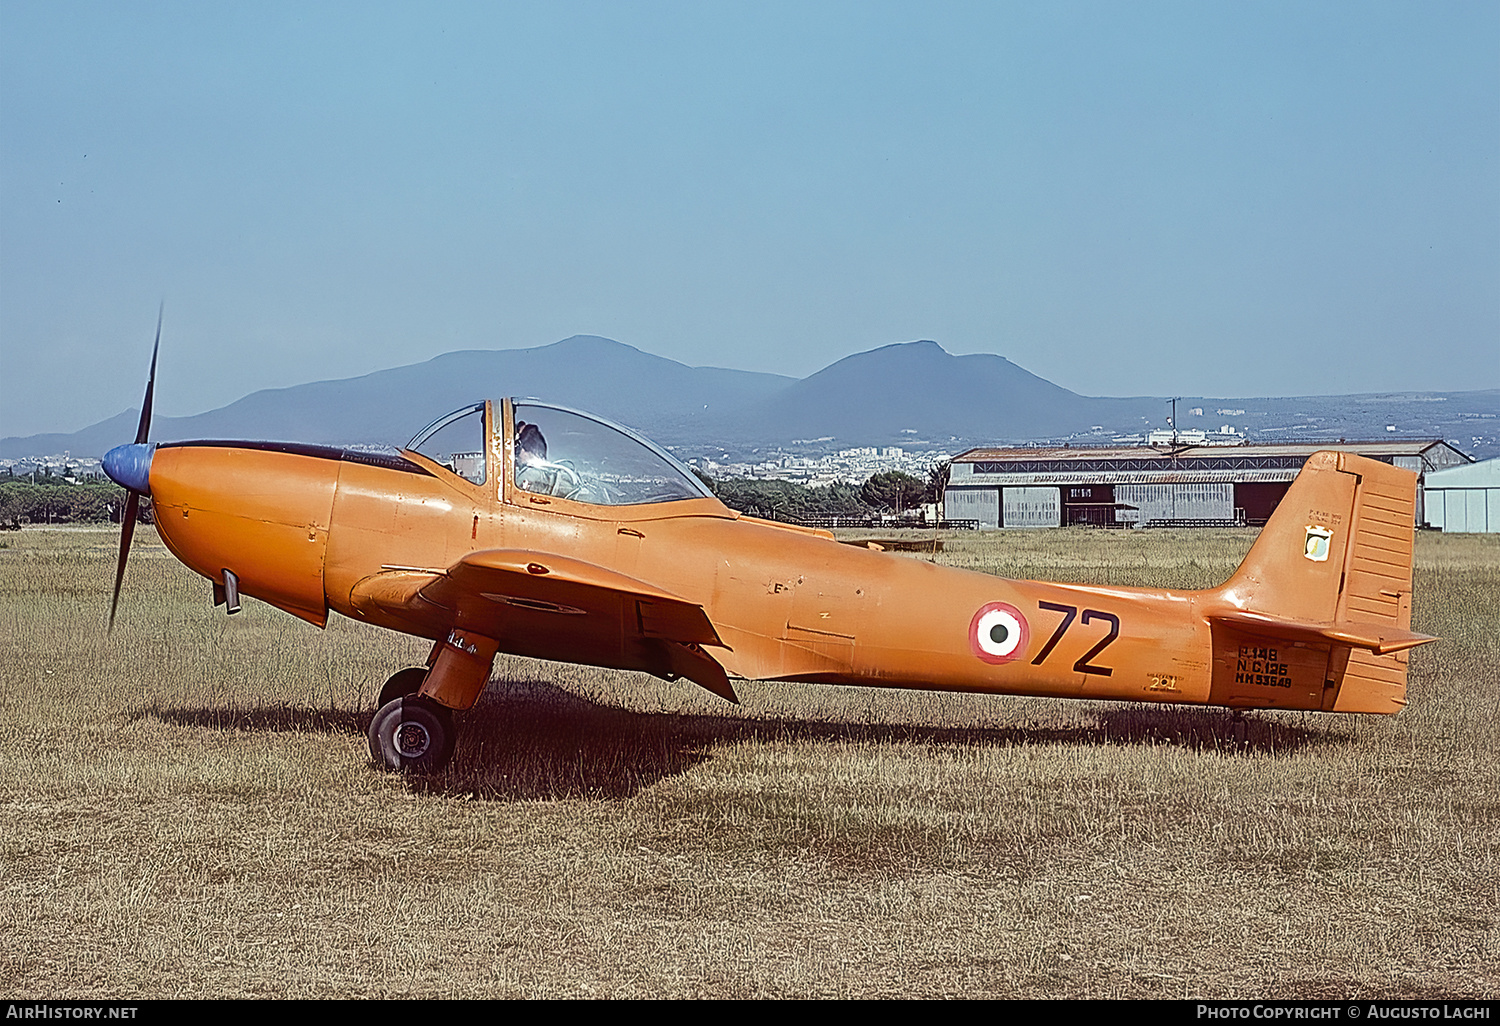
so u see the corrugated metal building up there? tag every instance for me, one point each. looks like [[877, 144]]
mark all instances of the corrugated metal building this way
[[1145, 486], [1465, 499]]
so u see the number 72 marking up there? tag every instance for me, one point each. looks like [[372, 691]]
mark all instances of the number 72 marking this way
[[1089, 615]]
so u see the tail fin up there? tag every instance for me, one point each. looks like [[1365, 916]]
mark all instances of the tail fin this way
[[1328, 580]]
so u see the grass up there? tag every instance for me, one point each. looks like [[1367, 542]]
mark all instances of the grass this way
[[188, 810]]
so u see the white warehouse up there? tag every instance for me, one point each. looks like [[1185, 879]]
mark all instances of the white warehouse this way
[[1465, 499]]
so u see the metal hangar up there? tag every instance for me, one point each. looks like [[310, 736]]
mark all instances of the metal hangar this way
[[1465, 499], [1151, 486]]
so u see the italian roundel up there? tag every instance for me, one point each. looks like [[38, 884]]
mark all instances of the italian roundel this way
[[998, 633]]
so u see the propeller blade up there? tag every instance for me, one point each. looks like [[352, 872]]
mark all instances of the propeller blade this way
[[133, 498], [144, 427], [127, 531]]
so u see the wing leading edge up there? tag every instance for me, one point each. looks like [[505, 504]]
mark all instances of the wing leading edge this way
[[556, 607]]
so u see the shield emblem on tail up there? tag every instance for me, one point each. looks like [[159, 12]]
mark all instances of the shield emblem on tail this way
[[1315, 547]]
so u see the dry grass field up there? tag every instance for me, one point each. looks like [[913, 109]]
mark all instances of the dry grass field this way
[[189, 811]]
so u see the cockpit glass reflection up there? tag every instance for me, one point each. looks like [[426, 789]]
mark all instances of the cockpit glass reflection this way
[[559, 452]]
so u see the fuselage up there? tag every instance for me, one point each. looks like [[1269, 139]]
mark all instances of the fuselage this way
[[301, 527], [308, 529]]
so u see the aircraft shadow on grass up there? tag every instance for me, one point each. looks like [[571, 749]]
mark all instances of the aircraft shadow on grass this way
[[530, 739]]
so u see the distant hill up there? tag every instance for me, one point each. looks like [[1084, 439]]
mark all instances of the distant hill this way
[[918, 390], [391, 406], [914, 394]]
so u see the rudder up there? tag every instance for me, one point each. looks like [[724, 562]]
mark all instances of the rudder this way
[[1330, 573]]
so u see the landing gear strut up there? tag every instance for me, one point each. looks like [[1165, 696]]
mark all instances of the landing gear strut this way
[[411, 735], [412, 731]]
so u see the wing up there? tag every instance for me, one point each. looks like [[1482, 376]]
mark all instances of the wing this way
[[555, 607]]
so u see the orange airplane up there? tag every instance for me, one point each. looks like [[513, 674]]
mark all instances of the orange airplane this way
[[524, 527]]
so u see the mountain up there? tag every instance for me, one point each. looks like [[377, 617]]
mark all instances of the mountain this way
[[390, 406], [915, 394], [93, 441], [919, 390]]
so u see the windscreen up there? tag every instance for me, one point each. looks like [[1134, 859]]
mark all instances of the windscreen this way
[[456, 442]]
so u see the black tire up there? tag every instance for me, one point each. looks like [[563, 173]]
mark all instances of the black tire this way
[[411, 735], [402, 683]]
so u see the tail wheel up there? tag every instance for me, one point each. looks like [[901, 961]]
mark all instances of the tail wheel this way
[[402, 683], [411, 735]]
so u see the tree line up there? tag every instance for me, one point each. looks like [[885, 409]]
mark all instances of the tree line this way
[[885, 493], [51, 499]]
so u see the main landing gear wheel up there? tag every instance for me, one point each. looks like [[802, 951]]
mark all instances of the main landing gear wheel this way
[[402, 683], [411, 735]]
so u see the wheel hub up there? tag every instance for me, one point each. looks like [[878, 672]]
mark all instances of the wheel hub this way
[[412, 740]]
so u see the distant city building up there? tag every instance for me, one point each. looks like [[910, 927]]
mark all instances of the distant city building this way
[[847, 466], [64, 465], [1141, 486], [1226, 435]]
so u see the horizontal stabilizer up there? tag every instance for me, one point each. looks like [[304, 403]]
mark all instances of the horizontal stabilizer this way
[[1380, 638]]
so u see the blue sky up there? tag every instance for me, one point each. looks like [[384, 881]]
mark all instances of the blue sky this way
[[1144, 198]]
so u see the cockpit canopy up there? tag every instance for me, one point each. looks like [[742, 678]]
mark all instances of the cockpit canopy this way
[[456, 441], [564, 453], [573, 455]]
